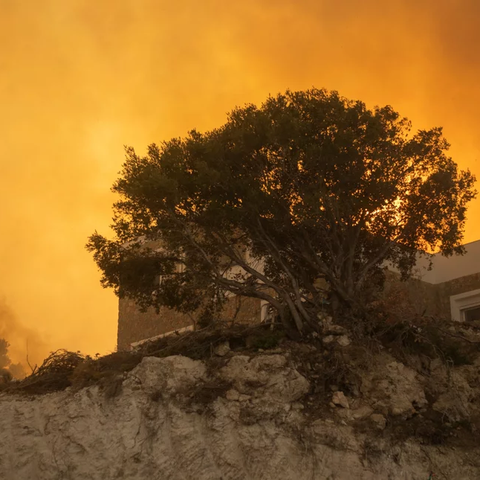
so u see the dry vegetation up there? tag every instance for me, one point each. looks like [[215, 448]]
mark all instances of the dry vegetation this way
[[63, 369], [408, 341]]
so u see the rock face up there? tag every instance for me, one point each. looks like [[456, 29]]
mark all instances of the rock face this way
[[175, 420], [394, 388]]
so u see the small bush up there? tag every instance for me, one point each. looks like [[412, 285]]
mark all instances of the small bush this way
[[265, 339], [423, 336], [53, 375]]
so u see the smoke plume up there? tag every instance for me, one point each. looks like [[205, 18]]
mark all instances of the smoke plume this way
[[79, 79], [24, 344]]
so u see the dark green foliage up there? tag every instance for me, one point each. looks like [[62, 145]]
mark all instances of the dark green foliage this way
[[266, 339], [312, 185]]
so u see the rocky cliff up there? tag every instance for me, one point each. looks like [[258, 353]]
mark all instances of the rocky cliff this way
[[250, 416]]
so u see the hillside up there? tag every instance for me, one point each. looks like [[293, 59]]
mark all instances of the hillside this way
[[253, 405]]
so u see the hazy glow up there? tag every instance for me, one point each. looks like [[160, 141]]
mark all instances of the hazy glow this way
[[79, 79]]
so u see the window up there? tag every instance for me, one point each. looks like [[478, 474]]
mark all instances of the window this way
[[465, 307], [179, 268], [471, 314]]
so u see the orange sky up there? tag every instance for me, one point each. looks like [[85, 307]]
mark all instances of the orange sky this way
[[79, 79]]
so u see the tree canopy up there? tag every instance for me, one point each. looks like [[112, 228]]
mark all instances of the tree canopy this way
[[308, 186]]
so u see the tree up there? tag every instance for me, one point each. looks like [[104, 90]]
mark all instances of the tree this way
[[308, 186], [7, 368], [4, 359]]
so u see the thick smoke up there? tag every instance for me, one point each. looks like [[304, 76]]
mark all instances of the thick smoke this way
[[20, 347], [79, 79]]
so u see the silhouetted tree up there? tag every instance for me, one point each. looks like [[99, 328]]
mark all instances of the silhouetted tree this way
[[312, 185], [8, 368], [4, 359]]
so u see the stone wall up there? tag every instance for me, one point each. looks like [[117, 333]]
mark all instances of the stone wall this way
[[417, 297], [412, 297], [454, 287], [134, 325]]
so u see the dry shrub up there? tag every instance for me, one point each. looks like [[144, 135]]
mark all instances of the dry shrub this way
[[105, 371], [53, 375], [200, 344], [428, 337], [395, 321], [63, 369]]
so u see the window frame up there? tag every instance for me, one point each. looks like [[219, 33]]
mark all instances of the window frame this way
[[463, 302]]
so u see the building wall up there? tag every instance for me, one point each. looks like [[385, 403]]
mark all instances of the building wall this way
[[443, 269], [410, 298], [134, 325], [414, 297], [418, 297], [428, 293], [452, 276], [456, 286]]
